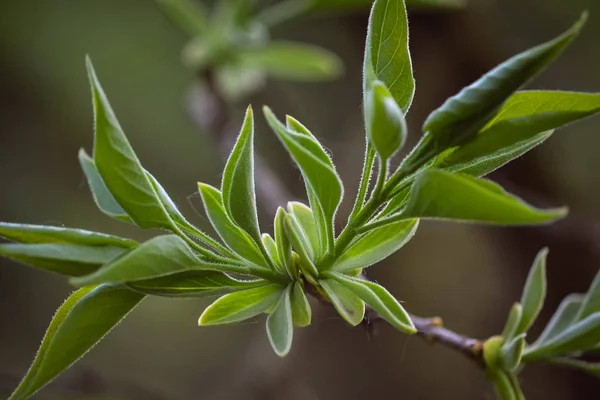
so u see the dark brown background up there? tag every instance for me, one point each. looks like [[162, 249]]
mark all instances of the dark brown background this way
[[469, 275]]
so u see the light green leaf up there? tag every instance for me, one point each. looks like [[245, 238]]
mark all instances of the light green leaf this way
[[380, 300], [301, 310], [443, 195], [355, 4], [280, 328], [190, 284], [387, 57], [534, 292], [519, 395], [463, 115], [591, 303], [240, 306], [565, 315], [376, 245], [512, 322], [239, 196], [306, 221], [235, 238], [317, 169], [503, 386], [284, 247], [271, 247], [289, 60], [120, 168], [188, 15], [78, 325], [512, 351], [300, 244], [350, 307], [160, 256]]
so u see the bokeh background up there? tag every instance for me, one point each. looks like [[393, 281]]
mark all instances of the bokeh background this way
[[468, 274]]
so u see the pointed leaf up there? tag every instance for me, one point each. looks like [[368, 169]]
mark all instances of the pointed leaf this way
[[513, 322], [307, 222], [380, 300], [239, 306], [190, 284], [300, 244], [284, 246], [348, 305], [301, 310], [591, 303], [387, 57], [186, 14], [565, 315], [280, 328], [534, 292], [78, 325], [511, 352], [376, 245], [271, 248]]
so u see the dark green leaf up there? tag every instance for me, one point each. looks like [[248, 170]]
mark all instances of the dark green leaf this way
[[280, 328], [534, 292], [78, 325], [512, 322], [565, 315], [186, 14], [289, 60], [380, 300], [194, 284], [348, 305], [387, 57], [307, 222], [240, 306], [591, 303], [301, 310]]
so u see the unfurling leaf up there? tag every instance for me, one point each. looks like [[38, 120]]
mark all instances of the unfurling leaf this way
[[78, 325], [240, 306], [386, 126], [308, 224], [301, 310], [511, 352], [534, 292], [350, 307], [280, 328], [284, 247], [512, 323]]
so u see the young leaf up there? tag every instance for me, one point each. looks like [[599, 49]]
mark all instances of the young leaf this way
[[186, 14], [463, 115], [387, 57], [380, 300], [306, 220], [78, 325], [272, 251], [503, 386], [120, 168], [280, 328], [350, 307], [386, 126], [284, 247], [239, 197], [160, 256], [511, 353], [189, 284], [512, 323], [317, 169], [289, 60], [565, 315], [301, 310], [591, 303], [376, 245], [300, 243], [237, 239], [519, 395], [240, 306], [65, 259], [534, 292]]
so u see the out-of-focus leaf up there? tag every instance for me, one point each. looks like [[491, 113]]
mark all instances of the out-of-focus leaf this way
[[591, 304], [376, 245], [534, 292], [503, 386], [590, 367], [280, 328], [301, 310], [194, 284], [188, 15], [78, 325], [387, 57], [335, 5], [380, 300], [307, 222], [239, 306], [512, 322], [236, 82], [564, 316], [321, 179], [289, 60], [512, 352], [348, 305]]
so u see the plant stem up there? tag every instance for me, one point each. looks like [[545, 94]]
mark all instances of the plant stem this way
[[364, 180]]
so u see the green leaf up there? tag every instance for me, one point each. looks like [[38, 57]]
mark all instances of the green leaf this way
[[37, 234], [295, 61], [300, 244], [306, 221], [443, 195], [386, 126], [380, 300], [239, 196], [376, 245], [512, 352], [590, 367], [66, 259], [190, 284], [565, 315], [280, 328], [387, 57], [524, 121], [350, 307], [534, 292], [577, 337], [463, 115], [284, 247], [120, 168], [301, 310], [160, 256], [78, 325], [519, 395], [591, 303], [503, 386], [322, 181], [271, 247], [102, 196], [512, 322], [188, 15], [240, 306], [235, 238]]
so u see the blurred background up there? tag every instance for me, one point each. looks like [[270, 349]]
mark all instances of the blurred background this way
[[467, 274]]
